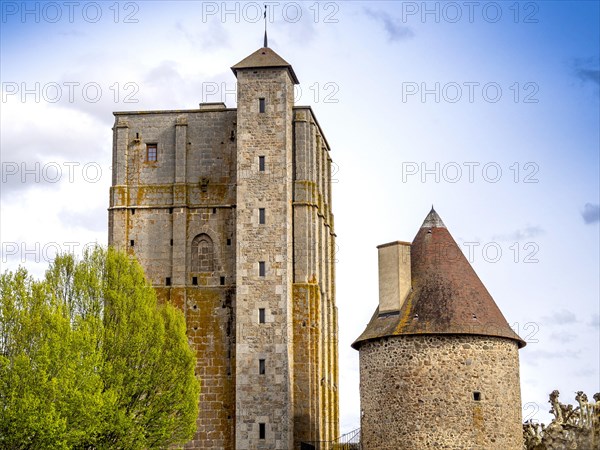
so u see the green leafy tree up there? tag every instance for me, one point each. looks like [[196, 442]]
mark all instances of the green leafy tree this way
[[88, 359]]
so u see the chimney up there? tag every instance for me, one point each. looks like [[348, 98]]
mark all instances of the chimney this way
[[394, 275]]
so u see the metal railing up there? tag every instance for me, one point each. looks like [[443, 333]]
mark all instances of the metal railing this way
[[348, 441]]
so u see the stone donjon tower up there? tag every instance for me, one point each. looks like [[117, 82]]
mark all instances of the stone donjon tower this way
[[439, 364], [229, 212]]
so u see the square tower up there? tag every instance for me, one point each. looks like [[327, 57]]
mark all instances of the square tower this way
[[229, 212], [265, 93]]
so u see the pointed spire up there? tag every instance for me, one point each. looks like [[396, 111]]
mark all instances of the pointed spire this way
[[446, 295], [433, 220], [265, 17]]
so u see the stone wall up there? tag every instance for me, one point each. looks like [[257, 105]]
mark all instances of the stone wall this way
[[264, 398], [192, 219], [316, 415], [440, 392], [160, 210]]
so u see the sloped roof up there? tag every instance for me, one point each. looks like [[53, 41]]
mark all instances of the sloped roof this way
[[262, 58], [447, 296]]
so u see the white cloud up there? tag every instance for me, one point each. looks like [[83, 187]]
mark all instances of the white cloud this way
[[591, 213], [393, 26], [529, 232], [561, 317]]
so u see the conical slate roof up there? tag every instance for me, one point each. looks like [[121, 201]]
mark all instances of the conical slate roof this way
[[447, 296], [262, 58]]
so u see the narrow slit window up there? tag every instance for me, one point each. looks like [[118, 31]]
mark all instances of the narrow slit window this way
[[168, 281], [222, 281], [261, 216], [228, 241], [170, 210], [261, 105], [133, 212], [261, 269], [151, 152], [195, 281], [261, 367], [171, 242], [261, 315], [261, 163], [132, 242], [262, 432]]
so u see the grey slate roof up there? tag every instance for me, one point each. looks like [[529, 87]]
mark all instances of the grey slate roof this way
[[262, 58]]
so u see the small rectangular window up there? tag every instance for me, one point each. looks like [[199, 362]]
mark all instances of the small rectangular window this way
[[477, 396], [261, 315], [133, 212], [261, 367], [228, 241], [261, 216], [261, 105], [170, 210], [214, 210], [132, 242], [261, 269], [171, 242], [222, 281], [262, 432], [195, 281], [151, 152], [168, 281], [261, 163]]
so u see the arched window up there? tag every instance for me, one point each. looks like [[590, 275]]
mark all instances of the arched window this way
[[202, 254]]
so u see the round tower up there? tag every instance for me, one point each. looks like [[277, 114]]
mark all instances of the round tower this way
[[439, 364]]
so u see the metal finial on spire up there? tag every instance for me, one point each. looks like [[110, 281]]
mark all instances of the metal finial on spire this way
[[265, 17]]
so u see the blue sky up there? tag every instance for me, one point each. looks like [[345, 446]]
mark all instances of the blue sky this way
[[490, 113]]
